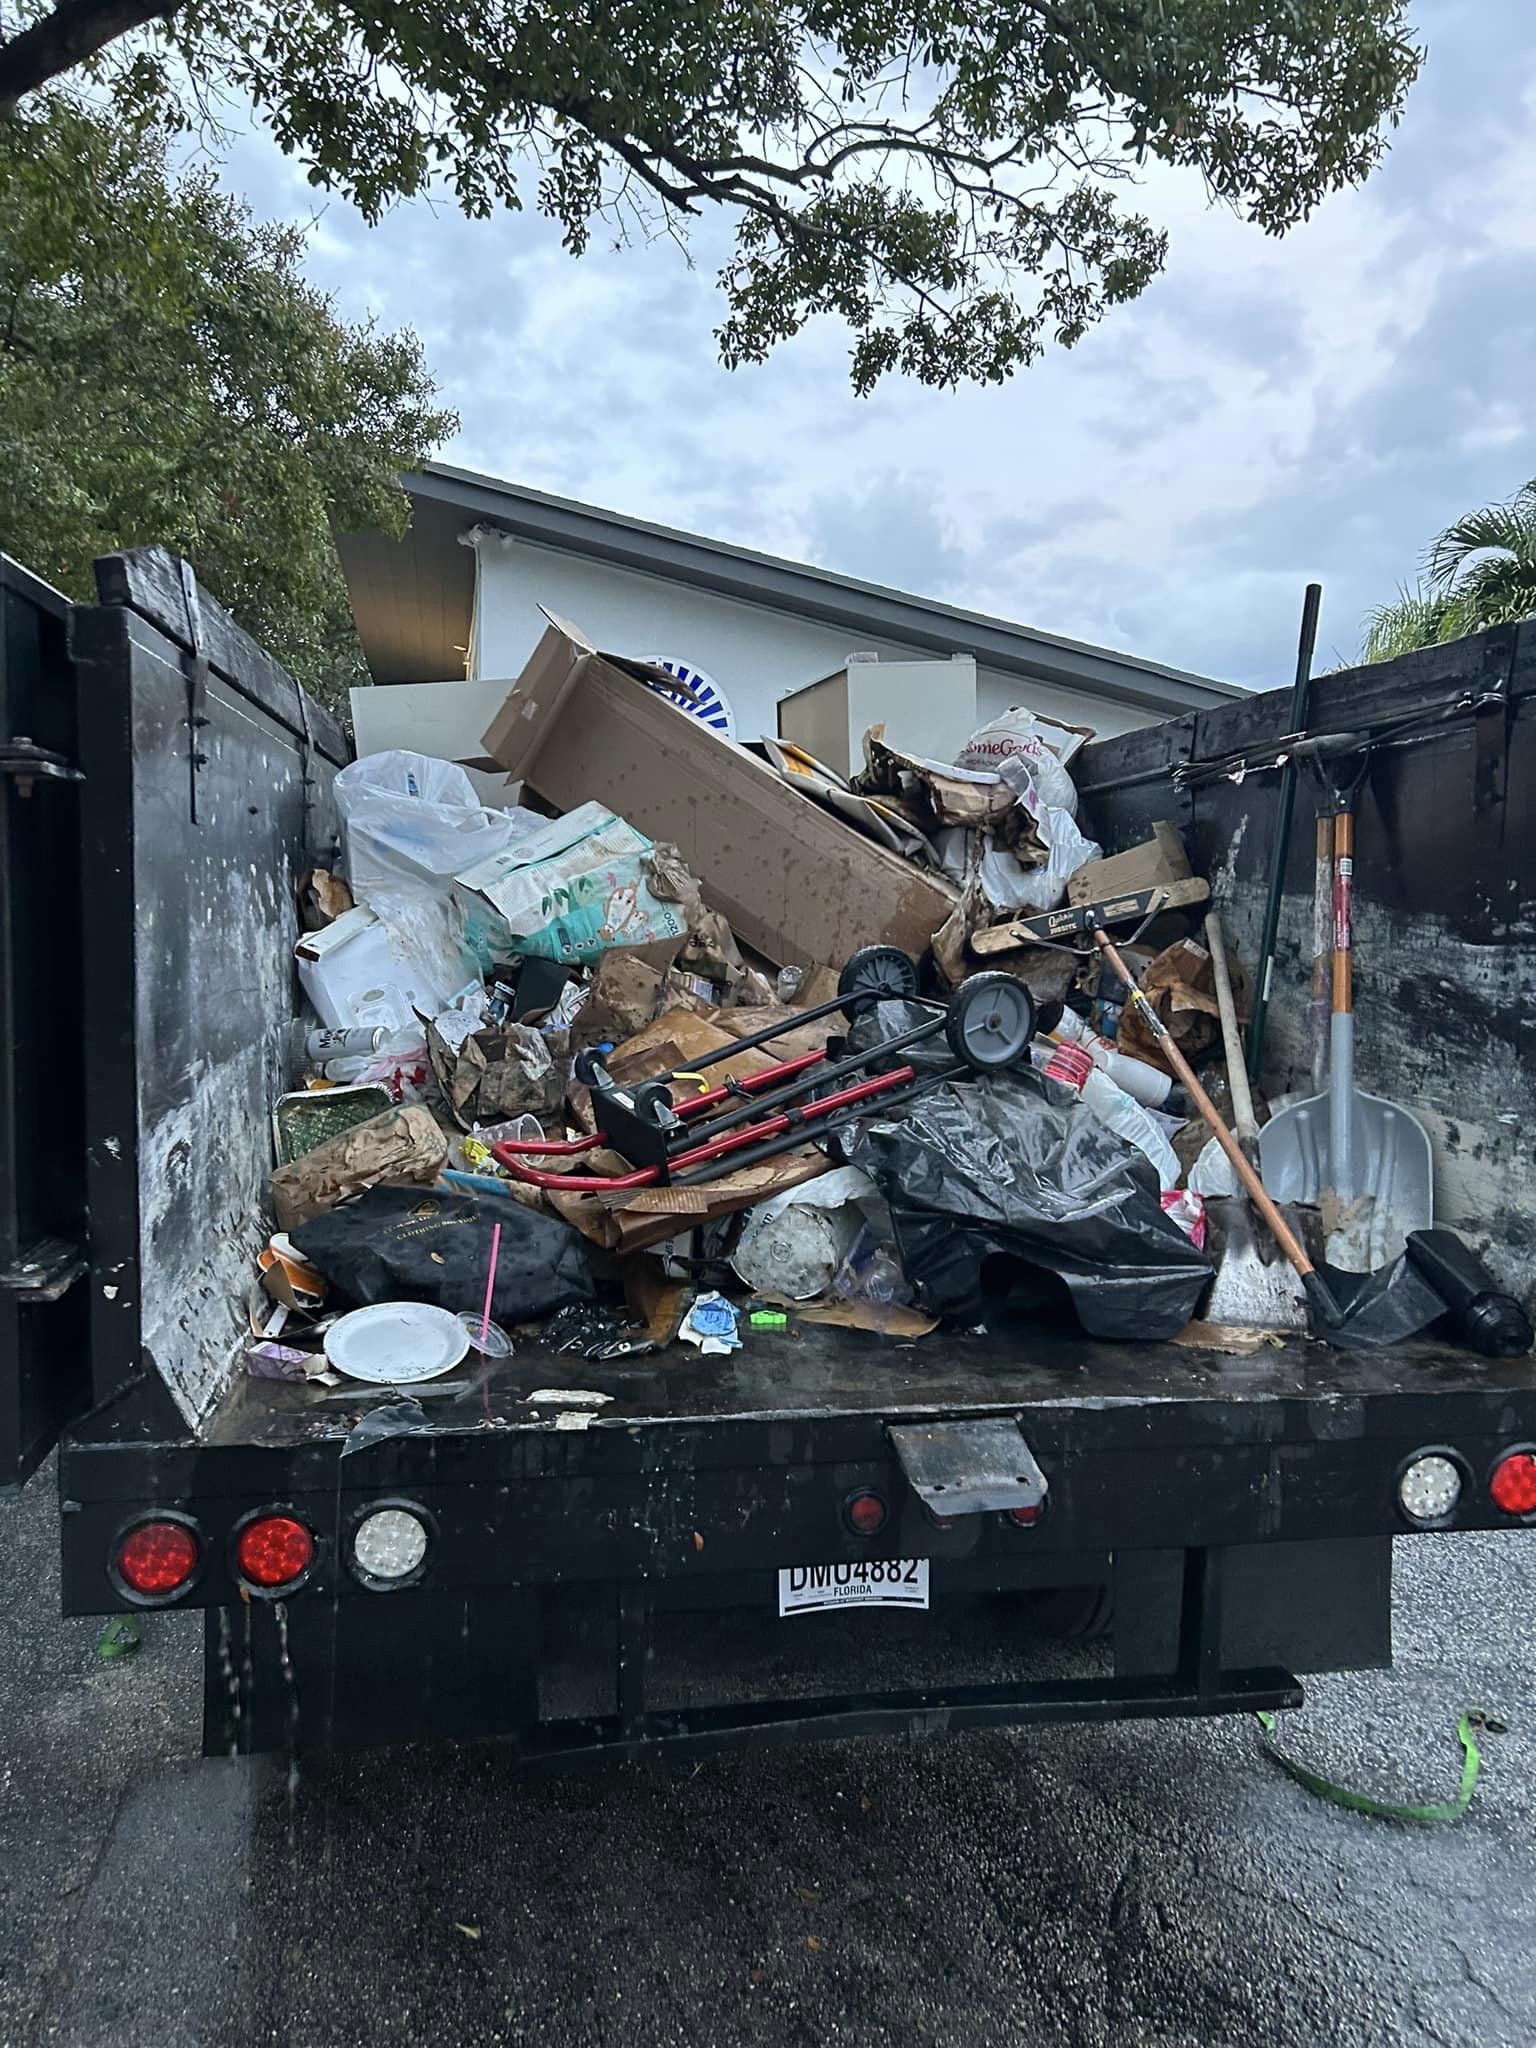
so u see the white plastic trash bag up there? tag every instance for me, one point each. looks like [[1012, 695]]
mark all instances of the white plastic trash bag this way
[[1006, 882], [414, 821], [1041, 744], [1066, 849], [793, 1244], [410, 823]]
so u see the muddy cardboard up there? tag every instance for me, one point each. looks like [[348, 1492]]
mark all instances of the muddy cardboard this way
[[792, 879]]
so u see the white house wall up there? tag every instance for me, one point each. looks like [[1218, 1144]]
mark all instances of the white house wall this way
[[755, 655]]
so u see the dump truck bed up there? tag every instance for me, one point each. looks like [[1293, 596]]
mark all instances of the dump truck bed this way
[[615, 1583], [1240, 1510], [815, 1373]]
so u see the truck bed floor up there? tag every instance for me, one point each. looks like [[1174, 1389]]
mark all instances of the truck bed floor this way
[[812, 1371]]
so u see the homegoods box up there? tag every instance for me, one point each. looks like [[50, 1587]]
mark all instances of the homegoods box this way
[[567, 891]]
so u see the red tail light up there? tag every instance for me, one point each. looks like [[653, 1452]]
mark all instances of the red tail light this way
[[1026, 1518], [1512, 1486], [273, 1551], [158, 1558], [864, 1513]]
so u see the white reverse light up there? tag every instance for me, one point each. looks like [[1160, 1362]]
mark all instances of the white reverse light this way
[[389, 1544], [1429, 1488]]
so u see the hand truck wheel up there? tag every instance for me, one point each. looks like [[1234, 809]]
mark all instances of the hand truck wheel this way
[[990, 1022], [588, 1067], [884, 972], [653, 1101]]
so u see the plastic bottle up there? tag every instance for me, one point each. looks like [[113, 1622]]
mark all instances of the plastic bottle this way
[[1129, 1119], [347, 1071], [1073, 1066], [1147, 1085]]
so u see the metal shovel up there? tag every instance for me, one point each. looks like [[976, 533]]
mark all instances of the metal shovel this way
[[1367, 1162], [1379, 1310]]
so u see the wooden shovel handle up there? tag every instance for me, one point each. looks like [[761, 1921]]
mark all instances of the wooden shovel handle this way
[[1343, 914], [1281, 1231]]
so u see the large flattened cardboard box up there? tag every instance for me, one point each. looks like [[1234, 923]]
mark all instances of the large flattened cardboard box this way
[[791, 879]]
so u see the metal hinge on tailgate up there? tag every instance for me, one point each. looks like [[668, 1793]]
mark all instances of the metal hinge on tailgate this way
[[969, 1468], [195, 665], [45, 1271], [1493, 710], [26, 762]]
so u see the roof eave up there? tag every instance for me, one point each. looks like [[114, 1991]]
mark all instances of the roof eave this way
[[864, 610]]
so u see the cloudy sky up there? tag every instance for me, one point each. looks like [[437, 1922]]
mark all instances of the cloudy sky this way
[[1267, 413]]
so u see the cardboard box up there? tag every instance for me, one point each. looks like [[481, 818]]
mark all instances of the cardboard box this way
[[926, 707], [1157, 862], [793, 880], [634, 1219], [441, 719], [355, 971]]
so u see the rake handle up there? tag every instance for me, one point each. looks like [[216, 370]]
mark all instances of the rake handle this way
[[1231, 1038], [1257, 1193]]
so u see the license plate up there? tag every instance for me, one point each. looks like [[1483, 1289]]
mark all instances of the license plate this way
[[887, 1582]]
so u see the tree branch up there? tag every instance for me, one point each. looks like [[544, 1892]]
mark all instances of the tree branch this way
[[74, 32]]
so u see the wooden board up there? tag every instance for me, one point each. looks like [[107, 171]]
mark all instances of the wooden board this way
[[1054, 927]]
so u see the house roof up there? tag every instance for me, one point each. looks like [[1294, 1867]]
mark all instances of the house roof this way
[[413, 599]]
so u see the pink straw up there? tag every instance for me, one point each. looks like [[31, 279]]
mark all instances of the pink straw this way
[[490, 1285]]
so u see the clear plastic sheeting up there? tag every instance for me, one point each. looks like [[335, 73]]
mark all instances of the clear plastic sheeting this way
[[994, 1182], [411, 824], [414, 821]]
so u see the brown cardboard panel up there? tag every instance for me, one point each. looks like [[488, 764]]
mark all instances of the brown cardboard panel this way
[[792, 879], [1157, 863], [631, 1220]]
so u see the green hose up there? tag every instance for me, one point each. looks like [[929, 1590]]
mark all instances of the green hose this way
[[1472, 1719]]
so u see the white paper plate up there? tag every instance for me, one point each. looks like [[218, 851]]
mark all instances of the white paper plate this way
[[396, 1342]]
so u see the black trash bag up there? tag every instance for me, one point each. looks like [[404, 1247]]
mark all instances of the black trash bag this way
[[1369, 1311], [413, 1244], [1011, 1171], [877, 1022]]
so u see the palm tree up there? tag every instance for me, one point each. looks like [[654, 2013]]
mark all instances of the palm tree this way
[[1416, 618], [1481, 571]]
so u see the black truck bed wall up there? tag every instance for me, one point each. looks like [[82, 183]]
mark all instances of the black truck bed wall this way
[[1445, 925], [190, 926]]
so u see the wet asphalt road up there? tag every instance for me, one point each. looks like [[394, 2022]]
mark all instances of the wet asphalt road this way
[[1131, 1885]]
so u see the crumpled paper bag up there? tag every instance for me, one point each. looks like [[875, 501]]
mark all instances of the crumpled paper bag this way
[[403, 1144]]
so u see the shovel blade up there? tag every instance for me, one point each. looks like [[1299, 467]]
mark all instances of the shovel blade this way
[[1393, 1162], [1254, 1287]]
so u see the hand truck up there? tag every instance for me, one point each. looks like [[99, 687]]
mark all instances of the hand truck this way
[[686, 1139]]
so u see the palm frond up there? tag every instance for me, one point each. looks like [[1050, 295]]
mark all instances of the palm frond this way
[[1498, 590], [1416, 618], [1508, 528]]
